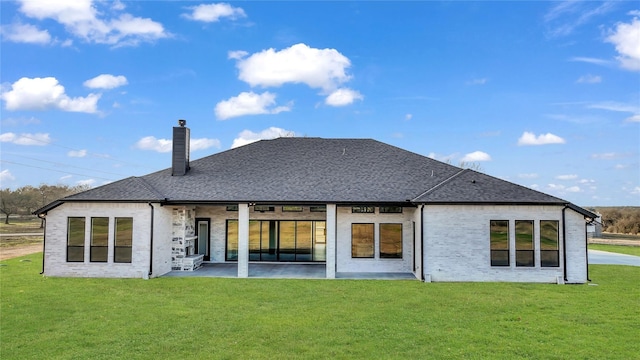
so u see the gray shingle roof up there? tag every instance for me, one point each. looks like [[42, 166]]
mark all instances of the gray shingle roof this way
[[302, 170]]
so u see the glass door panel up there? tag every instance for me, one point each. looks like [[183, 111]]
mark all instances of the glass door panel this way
[[254, 240], [320, 241], [268, 242], [287, 249], [303, 240]]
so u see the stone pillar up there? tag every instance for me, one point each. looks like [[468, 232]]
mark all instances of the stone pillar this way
[[331, 240], [243, 240]]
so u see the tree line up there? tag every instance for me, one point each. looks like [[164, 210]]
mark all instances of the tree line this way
[[621, 220], [25, 200]]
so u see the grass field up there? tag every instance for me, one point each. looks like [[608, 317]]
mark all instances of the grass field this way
[[621, 249], [53, 318]]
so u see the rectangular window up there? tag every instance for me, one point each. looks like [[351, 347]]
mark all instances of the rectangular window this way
[[499, 239], [391, 241], [390, 209], [232, 241], [363, 209], [264, 208], [232, 207], [318, 208], [549, 250], [75, 239], [524, 243], [123, 240], [99, 239], [362, 240], [290, 208]]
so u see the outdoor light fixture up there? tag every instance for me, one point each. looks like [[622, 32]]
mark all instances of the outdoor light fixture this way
[[182, 123]]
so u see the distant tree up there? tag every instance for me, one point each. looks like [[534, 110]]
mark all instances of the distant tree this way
[[12, 202]]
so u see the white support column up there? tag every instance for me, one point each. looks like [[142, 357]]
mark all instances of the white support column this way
[[243, 240], [331, 241]]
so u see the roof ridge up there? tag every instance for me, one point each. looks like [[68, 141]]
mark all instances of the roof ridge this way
[[440, 184], [149, 187]]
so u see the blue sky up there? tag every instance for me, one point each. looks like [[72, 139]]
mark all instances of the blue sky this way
[[543, 94]]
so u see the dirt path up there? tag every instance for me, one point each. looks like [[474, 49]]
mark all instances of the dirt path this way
[[15, 251], [614, 242]]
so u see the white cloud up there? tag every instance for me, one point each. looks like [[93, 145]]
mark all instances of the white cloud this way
[[408, 117], [528, 176], [561, 189], [620, 166], [476, 156], [38, 139], [342, 97], [204, 143], [151, 143], [480, 81], [106, 81], [590, 60], [633, 118], [299, 64], [5, 175], [237, 54], [83, 19], [567, 177], [25, 33], [87, 182], [248, 136], [529, 138], [46, 93], [214, 12], [564, 17], [606, 156], [615, 106], [77, 153], [589, 79], [249, 103], [165, 145], [443, 158], [626, 38], [636, 190]]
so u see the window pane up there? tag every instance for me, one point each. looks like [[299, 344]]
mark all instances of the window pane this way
[[254, 240], [318, 208], [319, 241], [303, 240], [123, 240], [363, 209], [232, 240], [524, 243], [75, 233], [390, 209], [549, 250], [291, 208], [287, 249], [75, 239], [99, 239], [362, 240], [391, 241], [499, 239]]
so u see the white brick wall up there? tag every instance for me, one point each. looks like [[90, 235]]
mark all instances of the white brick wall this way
[[345, 263], [457, 243], [56, 241]]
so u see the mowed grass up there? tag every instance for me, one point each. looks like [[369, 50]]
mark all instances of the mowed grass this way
[[621, 249], [175, 318]]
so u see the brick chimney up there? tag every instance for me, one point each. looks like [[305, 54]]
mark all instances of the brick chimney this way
[[180, 157]]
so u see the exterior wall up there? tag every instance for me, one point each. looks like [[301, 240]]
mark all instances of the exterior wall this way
[[576, 247], [55, 256], [457, 246], [219, 216], [162, 227], [345, 263]]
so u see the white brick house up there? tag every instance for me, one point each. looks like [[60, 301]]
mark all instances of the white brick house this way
[[352, 205]]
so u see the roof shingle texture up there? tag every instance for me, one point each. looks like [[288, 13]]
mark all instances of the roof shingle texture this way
[[317, 170]]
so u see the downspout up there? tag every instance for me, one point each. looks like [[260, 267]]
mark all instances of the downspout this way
[[335, 245], [44, 240], [422, 242], [586, 251], [564, 245], [151, 243]]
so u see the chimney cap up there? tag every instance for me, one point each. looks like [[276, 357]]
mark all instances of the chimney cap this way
[[182, 122]]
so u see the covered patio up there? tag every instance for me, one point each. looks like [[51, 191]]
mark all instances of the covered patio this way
[[284, 271]]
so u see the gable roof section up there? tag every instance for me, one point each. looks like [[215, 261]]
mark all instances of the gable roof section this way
[[305, 170], [469, 186], [315, 170]]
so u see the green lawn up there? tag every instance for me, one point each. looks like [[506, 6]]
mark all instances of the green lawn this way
[[175, 318], [622, 249]]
